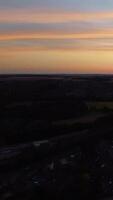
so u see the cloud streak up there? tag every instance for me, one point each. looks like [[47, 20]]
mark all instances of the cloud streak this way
[[97, 34], [50, 16]]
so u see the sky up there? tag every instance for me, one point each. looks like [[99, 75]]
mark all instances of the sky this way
[[56, 36]]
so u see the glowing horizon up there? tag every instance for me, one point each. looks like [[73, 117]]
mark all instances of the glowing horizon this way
[[56, 37]]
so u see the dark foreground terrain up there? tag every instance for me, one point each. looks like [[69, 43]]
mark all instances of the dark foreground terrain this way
[[56, 137]]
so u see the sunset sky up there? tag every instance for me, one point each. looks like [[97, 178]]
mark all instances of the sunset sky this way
[[56, 36]]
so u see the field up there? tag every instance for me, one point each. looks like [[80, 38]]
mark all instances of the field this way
[[100, 105]]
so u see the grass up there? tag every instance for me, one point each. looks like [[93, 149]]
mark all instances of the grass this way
[[100, 105]]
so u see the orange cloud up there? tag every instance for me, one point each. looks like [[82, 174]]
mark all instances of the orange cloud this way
[[97, 34], [48, 16]]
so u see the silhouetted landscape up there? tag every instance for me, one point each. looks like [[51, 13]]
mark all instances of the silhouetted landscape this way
[[56, 137]]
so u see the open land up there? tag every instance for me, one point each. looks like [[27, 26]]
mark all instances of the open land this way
[[56, 136]]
